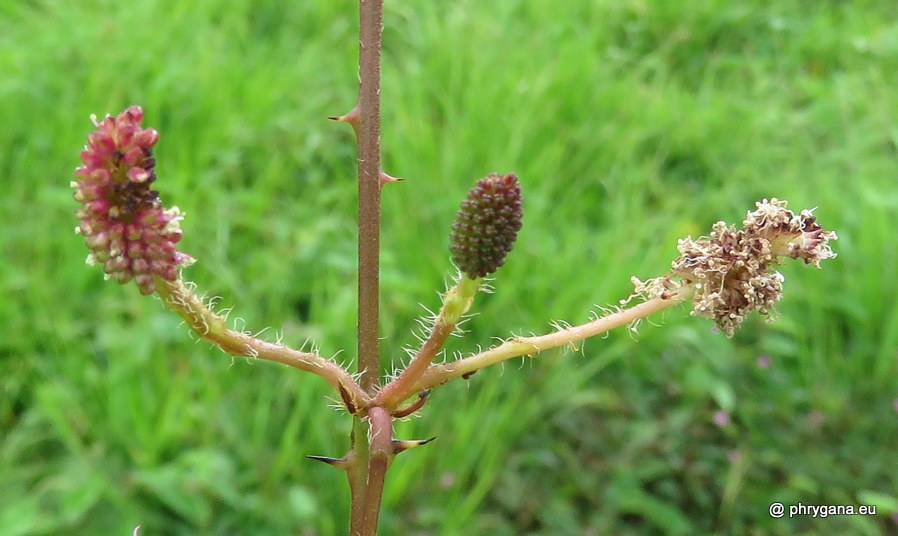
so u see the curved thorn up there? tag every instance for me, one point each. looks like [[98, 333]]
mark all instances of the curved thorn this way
[[403, 445], [339, 463], [347, 400], [352, 117], [414, 406], [384, 178]]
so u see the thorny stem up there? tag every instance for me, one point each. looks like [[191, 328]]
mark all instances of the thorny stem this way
[[356, 472], [521, 346], [368, 464], [368, 129], [380, 454], [213, 328]]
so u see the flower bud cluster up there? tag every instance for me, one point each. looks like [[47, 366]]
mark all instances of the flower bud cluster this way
[[123, 222], [487, 225], [731, 272]]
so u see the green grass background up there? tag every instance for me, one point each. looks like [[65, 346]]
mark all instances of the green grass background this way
[[630, 124]]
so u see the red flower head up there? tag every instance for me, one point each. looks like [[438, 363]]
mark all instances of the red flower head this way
[[486, 225], [123, 222]]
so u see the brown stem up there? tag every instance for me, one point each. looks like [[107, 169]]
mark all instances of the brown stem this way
[[357, 472], [380, 455], [370, 30], [368, 464]]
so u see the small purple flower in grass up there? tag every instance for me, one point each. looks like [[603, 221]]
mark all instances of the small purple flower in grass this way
[[816, 418], [721, 418], [123, 222]]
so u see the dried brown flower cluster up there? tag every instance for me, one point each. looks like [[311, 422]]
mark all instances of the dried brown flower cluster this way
[[732, 272]]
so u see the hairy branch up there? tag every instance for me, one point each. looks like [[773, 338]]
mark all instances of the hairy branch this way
[[521, 346], [213, 328]]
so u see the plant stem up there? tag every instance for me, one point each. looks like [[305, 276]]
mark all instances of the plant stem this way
[[399, 389], [456, 303], [367, 457], [370, 30], [380, 454], [357, 472], [520, 346], [213, 328]]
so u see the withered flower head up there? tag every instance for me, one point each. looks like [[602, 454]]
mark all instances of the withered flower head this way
[[731, 272], [123, 222], [487, 225]]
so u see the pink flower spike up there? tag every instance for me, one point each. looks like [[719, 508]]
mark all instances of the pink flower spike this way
[[122, 220]]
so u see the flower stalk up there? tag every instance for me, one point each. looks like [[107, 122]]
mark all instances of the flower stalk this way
[[727, 275], [213, 328], [456, 303], [530, 346], [483, 233]]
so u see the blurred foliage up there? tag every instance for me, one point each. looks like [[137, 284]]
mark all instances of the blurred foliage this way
[[629, 123]]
